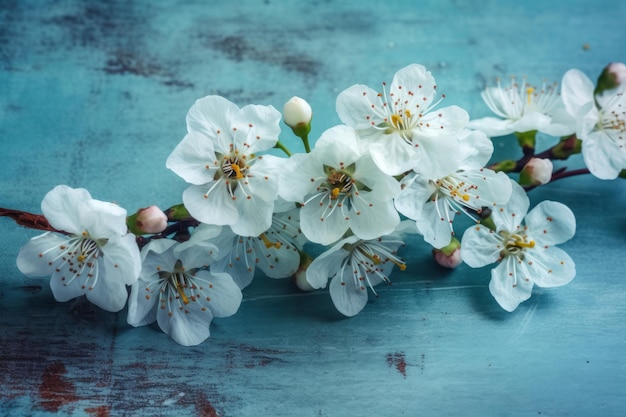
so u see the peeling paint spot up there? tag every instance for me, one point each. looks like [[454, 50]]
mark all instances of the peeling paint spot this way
[[398, 361], [55, 389]]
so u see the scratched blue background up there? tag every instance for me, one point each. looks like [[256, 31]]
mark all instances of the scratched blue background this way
[[94, 95]]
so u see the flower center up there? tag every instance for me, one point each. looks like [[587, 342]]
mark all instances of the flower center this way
[[180, 281], [234, 166], [454, 188], [339, 183], [515, 244]]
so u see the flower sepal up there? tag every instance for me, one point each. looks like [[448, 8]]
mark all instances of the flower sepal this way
[[568, 146], [611, 77], [177, 213], [526, 141]]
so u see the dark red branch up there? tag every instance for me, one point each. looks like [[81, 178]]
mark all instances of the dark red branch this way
[[30, 220]]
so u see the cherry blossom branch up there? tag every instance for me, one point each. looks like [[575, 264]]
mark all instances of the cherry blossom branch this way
[[567, 147], [30, 220]]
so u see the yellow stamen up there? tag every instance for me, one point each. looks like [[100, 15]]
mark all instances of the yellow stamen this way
[[334, 193], [237, 170], [396, 121], [402, 266], [466, 197], [181, 292], [522, 244], [269, 243], [529, 93], [81, 258], [408, 113]]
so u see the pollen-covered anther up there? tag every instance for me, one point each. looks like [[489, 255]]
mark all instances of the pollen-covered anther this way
[[268, 243]]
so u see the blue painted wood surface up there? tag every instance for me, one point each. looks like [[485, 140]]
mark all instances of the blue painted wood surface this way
[[94, 95]]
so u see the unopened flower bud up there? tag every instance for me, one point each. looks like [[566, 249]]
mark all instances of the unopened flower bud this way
[[147, 220], [449, 256], [537, 171], [611, 77], [299, 278], [297, 114]]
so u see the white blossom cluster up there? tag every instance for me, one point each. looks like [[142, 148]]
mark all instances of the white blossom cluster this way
[[400, 163]]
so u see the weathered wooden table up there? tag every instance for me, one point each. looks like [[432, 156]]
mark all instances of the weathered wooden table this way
[[95, 94]]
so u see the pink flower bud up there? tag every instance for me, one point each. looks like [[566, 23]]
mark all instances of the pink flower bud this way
[[151, 220], [450, 261], [618, 71], [297, 112], [537, 171]]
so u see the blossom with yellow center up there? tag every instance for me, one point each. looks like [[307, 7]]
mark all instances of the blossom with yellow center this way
[[404, 129], [525, 252]]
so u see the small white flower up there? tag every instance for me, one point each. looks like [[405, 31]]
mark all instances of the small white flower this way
[[275, 251], [231, 184], [402, 127], [340, 188], [523, 108], [97, 258], [601, 123], [177, 290], [355, 265], [433, 202], [526, 253]]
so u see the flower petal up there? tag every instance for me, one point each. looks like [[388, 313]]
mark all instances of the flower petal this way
[[370, 218], [109, 293], [216, 208], [62, 208], [220, 293], [480, 246], [551, 266], [122, 254], [393, 155], [324, 221], [256, 128], [187, 327], [194, 159], [509, 216], [327, 264], [550, 223], [576, 91], [492, 126], [348, 297], [435, 223], [211, 114], [142, 302], [35, 257], [103, 220], [360, 107], [604, 158], [508, 284]]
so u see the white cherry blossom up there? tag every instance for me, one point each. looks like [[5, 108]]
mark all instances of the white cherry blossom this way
[[177, 290], [433, 202], [275, 252], [525, 252], [402, 126], [231, 184], [354, 265], [521, 107], [96, 256], [340, 188], [601, 123]]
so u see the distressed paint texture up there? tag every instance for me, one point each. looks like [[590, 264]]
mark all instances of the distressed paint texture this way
[[94, 95]]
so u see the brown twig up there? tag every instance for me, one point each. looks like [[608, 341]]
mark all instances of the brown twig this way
[[30, 220]]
